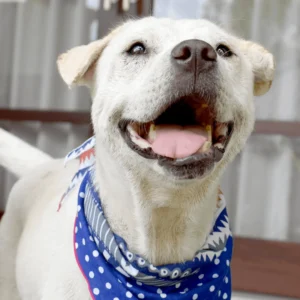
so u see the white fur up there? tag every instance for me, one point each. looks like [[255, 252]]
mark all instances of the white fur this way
[[18, 156], [162, 218]]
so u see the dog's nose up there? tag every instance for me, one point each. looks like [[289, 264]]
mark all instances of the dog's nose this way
[[194, 55]]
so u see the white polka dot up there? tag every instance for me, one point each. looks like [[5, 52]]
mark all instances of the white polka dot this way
[[177, 285], [101, 270], [91, 274], [163, 295], [200, 284], [76, 245], [81, 194], [139, 283], [116, 298], [219, 293], [129, 255], [83, 242], [226, 280], [87, 258], [152, 268], [95, 253], [212, 288], [215, 276], [108, 285], [76, 229], [129, 285], [217, 261], [159, 291], [225, 249], [186, 273], [91, 238], [96, 291], [78, 207], [195, 297], [227, 262], [80, 225], [141, 296], [225, 296], [185, 291], [201, 276], [128, 295]]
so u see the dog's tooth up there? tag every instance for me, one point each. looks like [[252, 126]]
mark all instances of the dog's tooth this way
[[136, 138], [206, 146], [209, 132], [140, 142], [131, 130], [133, 133], [221, 129], [219, 145], [152, 132]]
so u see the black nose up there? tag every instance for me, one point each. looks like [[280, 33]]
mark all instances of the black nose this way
[[194, 55]]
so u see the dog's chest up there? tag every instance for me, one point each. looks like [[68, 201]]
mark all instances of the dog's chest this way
[[111, 271]]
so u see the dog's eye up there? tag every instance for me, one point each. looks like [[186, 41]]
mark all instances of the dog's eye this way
[[137, 49], [224, 51]]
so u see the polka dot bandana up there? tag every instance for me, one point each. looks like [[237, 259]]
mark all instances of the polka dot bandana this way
[[113, 272]]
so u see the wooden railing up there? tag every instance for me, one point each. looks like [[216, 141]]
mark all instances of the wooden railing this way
[[50, 116], [258, 266], [266, 267]]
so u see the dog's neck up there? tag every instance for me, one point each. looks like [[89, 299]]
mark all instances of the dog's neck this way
[[163, 222]]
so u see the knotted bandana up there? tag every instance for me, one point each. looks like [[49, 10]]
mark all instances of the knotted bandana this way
[[113, 272]]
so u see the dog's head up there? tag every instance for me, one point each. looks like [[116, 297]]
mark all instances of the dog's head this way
[[171, 96]]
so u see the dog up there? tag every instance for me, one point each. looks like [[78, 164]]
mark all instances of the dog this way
[[172, 105]]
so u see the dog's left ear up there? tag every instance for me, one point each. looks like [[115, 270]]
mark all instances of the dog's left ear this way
[[263, 65], [77, 66]]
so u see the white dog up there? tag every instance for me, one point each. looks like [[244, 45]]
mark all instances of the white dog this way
[[172, 106]]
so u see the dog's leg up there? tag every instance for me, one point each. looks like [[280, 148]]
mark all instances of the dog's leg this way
[[10, 231], [65, 283], [66, 295]]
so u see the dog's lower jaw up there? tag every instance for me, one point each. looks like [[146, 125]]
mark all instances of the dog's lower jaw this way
[[164, 224]]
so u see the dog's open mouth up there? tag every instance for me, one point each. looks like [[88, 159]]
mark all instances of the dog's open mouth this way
[[187, 134]]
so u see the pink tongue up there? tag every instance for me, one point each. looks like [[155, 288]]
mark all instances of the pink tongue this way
[[178, 141]]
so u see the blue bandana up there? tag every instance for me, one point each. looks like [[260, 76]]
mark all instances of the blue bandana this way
[[112, 272]]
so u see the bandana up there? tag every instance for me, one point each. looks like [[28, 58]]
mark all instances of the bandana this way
[[113, 272]]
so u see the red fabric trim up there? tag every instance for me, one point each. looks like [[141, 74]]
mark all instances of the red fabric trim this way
[[76, 257]]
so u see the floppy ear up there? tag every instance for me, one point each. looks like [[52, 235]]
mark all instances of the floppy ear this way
[[263, 65], [77, 66]]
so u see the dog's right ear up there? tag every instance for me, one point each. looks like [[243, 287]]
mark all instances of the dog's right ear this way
[[77, 66]]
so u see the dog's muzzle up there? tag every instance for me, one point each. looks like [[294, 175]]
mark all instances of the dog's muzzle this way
[[185, 136]]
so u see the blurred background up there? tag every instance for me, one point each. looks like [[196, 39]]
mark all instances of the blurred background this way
[[262, 186]]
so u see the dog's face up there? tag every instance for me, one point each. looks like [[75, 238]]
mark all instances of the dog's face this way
[[171, 96]]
